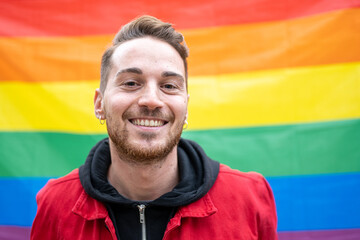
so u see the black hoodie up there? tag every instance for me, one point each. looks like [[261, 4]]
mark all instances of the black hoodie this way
[[197, 175]]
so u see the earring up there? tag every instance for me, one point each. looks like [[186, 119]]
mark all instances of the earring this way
[[102, 121], [185, 125]]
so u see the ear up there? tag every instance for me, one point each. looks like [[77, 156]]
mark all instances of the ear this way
[[98, 105]]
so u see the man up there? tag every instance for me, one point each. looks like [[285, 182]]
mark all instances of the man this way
[[144, 181]]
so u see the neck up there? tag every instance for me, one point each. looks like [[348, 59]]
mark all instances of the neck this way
[[143, 182]]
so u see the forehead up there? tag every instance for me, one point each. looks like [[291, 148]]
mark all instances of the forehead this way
[[147, 54]]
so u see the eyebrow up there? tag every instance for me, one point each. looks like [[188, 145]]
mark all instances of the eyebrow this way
[[138, 71], [129, 70], [172, 74]]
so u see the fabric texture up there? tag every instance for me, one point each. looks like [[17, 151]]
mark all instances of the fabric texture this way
[[236, 206]]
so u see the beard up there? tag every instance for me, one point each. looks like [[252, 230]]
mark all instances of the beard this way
[[136, 153]]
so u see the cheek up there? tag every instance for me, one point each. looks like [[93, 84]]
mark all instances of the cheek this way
[[180, 108], [116, 105]]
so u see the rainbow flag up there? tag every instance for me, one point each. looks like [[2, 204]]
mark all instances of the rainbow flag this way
[[274, 88]]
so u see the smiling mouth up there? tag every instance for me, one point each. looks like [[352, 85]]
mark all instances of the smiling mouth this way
[[148, 122]]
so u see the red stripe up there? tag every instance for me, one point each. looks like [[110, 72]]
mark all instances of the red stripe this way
[[83, 17], [341, 234]]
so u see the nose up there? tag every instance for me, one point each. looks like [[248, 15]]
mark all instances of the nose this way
[[150, 97]]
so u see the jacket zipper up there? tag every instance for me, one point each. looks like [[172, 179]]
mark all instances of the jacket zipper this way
[[141, 208]]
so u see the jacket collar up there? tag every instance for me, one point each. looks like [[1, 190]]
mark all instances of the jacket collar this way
[[89, 208], [203, 207]]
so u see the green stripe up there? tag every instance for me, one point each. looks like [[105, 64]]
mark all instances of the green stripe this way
[[326, 147], [43, 154]]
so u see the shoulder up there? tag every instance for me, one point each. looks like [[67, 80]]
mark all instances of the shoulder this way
[[249, 194], [63, 204], [243, 204], [55, 202], [66, 189], [235, 177], [62, 183], [244, 187]]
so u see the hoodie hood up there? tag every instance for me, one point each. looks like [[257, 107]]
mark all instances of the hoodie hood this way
[[197, 175]]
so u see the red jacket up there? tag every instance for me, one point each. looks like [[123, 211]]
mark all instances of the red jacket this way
[[238, 206]]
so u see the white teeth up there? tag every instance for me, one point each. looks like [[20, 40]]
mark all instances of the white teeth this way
[[148, 123]]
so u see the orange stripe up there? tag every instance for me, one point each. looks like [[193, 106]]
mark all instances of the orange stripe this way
[[51, 59], [317, 40], [323, 39]]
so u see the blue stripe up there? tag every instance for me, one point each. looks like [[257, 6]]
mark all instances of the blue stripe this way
[[17, 201], [316, 202], [310, 202]]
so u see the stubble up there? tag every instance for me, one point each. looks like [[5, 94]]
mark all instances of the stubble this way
[[143, 155]]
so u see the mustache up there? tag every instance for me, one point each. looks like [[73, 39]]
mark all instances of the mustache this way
[[144, 112]]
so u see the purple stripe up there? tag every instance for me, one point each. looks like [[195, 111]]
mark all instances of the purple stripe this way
[[343, 234], [14, 233], [23, 233]]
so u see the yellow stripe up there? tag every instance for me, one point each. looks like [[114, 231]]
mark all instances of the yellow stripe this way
[[308, 94], [283, 96], [48, 106]]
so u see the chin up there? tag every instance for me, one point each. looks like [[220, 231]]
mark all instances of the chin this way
[[143, 147]]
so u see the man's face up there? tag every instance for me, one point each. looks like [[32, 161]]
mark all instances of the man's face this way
[[145, 101]]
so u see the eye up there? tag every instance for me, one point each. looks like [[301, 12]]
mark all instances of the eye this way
[[169, 86], [130, 84], [172, 87]]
